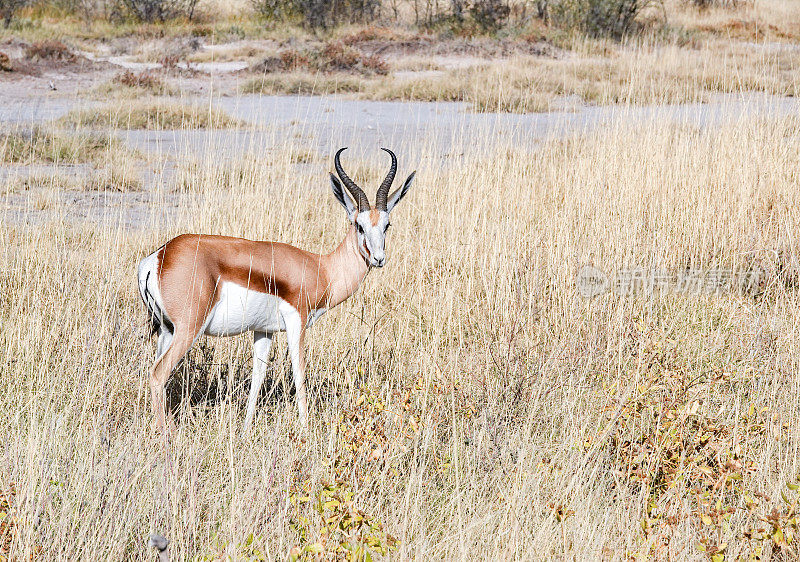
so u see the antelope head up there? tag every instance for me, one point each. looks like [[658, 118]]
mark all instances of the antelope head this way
[[371, 222]]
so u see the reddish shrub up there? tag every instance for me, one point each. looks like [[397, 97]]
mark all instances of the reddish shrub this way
[[292, 59], [170, 62], [375, 64], [337, 56], [370, 33], [50, 49], [5, 63], [333, 57], [145, 79]]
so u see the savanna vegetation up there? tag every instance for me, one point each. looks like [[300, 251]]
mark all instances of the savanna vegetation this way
[[496, 55], [468, 402]]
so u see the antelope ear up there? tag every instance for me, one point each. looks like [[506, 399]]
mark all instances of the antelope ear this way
[[395, 197], [343, 198]]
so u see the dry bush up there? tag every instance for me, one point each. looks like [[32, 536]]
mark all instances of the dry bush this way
[[5, 63], [49, 49], [337, 57], [292, 59], [129, 84], [372, 33], [332, 57], [730, 4], [145, 79], [118, 174], [46, 182]]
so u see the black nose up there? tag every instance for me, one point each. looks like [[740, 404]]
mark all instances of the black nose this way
[[380, 262]]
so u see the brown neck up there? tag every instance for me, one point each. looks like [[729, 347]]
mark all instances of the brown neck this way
[[345, 267]]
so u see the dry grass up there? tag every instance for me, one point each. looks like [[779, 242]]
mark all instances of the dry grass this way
[[129, 84], [759, 20], [42, 145], [597, 73], [630, 75], [150, 115], [303, 82], [118, 176], [467, 402], [329, 58], [415, 63], [233, 53]]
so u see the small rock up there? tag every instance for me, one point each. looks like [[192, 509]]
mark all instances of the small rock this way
[[160, 544]]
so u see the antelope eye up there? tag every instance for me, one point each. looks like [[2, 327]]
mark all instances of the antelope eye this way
[[359, 229]]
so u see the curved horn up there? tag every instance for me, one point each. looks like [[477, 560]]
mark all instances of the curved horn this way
[[358, 194], [383, 190]]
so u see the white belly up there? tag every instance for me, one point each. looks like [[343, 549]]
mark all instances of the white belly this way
[[242, 310]]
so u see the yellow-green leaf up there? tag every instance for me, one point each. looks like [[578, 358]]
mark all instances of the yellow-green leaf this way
[[315, 548]]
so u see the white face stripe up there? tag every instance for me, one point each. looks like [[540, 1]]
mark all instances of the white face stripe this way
[[373, 237]]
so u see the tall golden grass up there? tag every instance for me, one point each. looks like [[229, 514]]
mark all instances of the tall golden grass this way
[[466, 401]]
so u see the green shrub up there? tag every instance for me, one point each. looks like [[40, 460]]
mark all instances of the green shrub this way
[[150, 11], [599, 18], [490, 15], [8, 8], [318, 13]]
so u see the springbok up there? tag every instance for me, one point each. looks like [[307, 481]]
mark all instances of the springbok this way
[[220, 286]]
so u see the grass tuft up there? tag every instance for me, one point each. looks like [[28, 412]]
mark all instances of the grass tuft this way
[[42, 145], [304, 83], [128, 84], [151, 115]]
